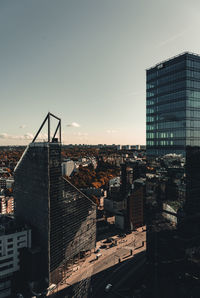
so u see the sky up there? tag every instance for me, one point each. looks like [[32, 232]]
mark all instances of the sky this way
[[85, 61]]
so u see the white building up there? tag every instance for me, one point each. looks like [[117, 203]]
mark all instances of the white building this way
[[68, 167], [12, 239], [9, 182]]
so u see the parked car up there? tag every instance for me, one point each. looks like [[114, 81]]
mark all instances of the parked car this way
[[97, 251], [108, 288]]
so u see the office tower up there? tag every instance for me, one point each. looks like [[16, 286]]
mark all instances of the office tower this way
[[63, 220], [173, 220], [173, 105]]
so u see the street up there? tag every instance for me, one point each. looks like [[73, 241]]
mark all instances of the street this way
[[113, 266]]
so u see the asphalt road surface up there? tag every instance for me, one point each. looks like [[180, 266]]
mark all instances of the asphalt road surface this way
[[117, 276]]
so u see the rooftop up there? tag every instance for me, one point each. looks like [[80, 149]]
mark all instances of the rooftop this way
[[176, 56], [8, 225]]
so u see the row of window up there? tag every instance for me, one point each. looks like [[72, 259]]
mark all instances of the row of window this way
[[6, 267], [162, 143], [168, 88], [173, 77], [168, 97], [188, 94], [167, 107], [172, 116], [163, 151], [193, 104], [192, 84], [167, 79], [193, 124], [166, 142], [150, 119], [190, 133], [174, 67], [165, 69], [166, 125], [193, 113], [6, 260], [193, 133], [166, 134], [189, 124], [173, 106], [193, 142], [172, 87], [193, 94], [193, 74], [192, 63]]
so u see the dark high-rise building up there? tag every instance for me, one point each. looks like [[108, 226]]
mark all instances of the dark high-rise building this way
[[173, 214], [173, 105], [63, 220]]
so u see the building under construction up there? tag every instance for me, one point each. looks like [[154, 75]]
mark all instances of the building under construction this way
[[63, 219]]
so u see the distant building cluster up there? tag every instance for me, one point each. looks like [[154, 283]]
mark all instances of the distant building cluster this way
[[126, 194], [113, 146]]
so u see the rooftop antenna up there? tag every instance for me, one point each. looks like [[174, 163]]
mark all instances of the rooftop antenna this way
[[48, 119]]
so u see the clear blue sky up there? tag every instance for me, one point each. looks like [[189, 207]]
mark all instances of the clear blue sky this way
[[85, 61]]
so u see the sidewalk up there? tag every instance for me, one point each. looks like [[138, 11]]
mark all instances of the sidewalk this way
[[91, 265]]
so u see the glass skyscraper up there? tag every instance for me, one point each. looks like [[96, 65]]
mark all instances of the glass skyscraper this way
[[172, 182], [173, 105]]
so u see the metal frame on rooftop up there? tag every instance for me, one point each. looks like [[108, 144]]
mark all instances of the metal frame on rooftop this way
[[58, 128]]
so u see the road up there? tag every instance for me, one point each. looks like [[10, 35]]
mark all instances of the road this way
[[98, 273], [117, 278]]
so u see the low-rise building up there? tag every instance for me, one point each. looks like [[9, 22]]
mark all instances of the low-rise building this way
[[13, 238], [68, 167], [9, 183]]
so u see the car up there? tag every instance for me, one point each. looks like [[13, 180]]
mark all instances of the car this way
[[91, 261], [98, 256], [110, 239], [97, 251], [51, 288], [108, 288], [103, 246]]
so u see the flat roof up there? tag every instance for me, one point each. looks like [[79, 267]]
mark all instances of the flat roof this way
[[171, 58]]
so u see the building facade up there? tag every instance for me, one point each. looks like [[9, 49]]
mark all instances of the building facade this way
[[63, 219], [173, 159], [173, 105], [13, 238]]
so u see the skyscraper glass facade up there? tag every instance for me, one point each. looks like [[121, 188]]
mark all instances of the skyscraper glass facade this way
[[173, 105]]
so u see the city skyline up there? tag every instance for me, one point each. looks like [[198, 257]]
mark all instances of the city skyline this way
[[86, 61]]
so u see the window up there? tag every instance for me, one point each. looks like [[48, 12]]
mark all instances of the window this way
[[6, 260], [20, 243], [20, 237], [6, 267]]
